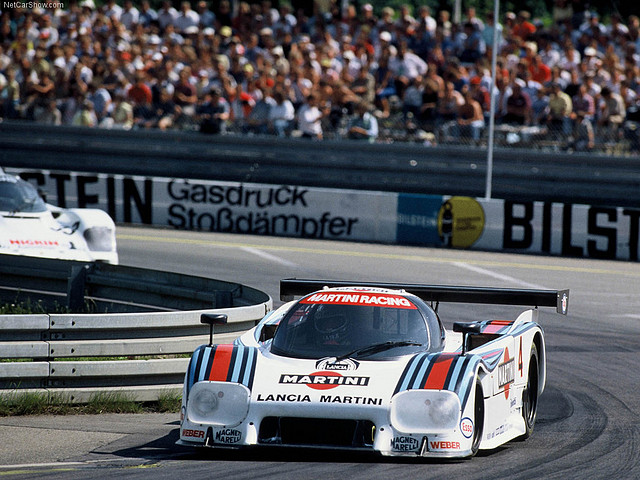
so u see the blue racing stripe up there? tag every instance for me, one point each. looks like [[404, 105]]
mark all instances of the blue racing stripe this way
[[409, 372], [250, 369], [192, 367], [195, 364], [420, 375], [492, 359], [205, 362], [237, 367], [464, 385], [451, 385], [523, 328]]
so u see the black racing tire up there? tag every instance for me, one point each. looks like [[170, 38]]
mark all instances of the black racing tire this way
[[530, 394], [478, 420]]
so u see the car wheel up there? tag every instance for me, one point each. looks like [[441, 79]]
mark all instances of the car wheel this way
[[530, 394], [478, 419]]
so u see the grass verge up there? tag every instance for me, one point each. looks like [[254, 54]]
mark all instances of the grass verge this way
[[39, 403], [44, 403]]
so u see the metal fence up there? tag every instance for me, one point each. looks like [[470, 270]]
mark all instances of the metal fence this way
[[75, 356], [623, 140], [404, 127]]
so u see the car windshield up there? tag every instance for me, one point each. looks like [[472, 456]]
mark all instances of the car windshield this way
[[16, 195], [339, 324]]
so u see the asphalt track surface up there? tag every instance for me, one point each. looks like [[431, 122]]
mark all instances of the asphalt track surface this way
[[587, 419]]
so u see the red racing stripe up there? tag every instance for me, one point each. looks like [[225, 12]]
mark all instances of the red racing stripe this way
[[491, 329], [496, 325], [221, 362], [439, 372]]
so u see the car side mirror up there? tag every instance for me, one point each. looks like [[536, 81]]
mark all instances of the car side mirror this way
[[467, 329], [212, 319], [267, 332]]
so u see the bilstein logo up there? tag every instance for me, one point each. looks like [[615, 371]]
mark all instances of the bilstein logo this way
[[324, 380]]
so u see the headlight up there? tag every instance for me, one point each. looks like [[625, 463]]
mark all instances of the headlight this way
[[203, 402], [100, 239], [218, 403], [423, 411]]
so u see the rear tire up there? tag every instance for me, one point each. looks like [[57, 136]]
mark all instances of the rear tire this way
[[530, 394], [478, 420]]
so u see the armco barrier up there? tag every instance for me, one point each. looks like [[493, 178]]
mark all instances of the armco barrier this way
[[117, 288], [518, 174], [71, 355]]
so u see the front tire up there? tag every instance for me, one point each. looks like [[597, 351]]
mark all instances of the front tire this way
[[530, 394], [478, 420]]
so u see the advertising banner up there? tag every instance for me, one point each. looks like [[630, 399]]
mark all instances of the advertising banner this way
[[321, 213], [522, 227], [226, 206]]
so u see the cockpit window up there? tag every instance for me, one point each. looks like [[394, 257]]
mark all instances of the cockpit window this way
[[16, 195], [336, 323]]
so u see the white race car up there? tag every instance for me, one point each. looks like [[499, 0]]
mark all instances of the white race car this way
[[371, 367], [31, 227]]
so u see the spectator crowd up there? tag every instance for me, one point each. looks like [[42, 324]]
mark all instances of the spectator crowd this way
[[335, 70]]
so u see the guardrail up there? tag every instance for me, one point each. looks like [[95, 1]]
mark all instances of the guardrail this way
[[116, 288], [518, 174], [72, 354]]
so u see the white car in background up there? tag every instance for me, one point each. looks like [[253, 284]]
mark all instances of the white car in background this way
[[31, 227]]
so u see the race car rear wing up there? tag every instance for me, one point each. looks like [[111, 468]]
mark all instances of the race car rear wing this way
[[291, 287]]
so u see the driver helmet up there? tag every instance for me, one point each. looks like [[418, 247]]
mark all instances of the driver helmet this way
[[331, 325]]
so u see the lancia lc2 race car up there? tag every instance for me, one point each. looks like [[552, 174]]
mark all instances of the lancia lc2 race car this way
[[31, 227], [370, 366]]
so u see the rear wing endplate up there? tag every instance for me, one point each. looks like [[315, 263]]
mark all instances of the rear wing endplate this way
[[292, 287]]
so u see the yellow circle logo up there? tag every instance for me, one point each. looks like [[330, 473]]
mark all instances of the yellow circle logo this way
[[460, 222]]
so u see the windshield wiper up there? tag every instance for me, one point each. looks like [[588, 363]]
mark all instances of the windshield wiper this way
[[377, 348], [27, 203]]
